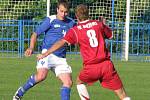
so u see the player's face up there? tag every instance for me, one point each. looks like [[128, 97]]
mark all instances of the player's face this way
[[62, 12]]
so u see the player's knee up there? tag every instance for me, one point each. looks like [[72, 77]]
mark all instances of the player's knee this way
[[78, 81], [122, 94], [67, 83], [40, 77]]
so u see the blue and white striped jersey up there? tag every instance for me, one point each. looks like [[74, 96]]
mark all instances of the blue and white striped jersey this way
[[54, 30]]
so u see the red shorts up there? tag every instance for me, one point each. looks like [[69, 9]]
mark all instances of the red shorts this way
[[104, 72]]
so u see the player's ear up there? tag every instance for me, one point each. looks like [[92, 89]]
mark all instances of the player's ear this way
[[57, 9], [77, 18]]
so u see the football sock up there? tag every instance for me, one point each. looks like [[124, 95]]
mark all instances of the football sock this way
[[65, 93], [83, 93], [30, 83], [127, 98]]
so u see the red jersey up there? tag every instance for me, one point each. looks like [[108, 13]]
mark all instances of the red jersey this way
[[90, 35]]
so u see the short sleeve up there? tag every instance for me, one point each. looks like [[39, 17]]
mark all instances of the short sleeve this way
[[71, 36], [45, 25], [108, 32]]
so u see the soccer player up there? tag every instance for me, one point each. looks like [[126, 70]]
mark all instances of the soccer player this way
[[97, 66], [55, 27]]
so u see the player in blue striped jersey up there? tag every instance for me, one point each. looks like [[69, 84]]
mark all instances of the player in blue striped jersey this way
[[54, 27]]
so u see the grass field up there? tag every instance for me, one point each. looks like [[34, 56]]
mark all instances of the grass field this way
[[14, 72]]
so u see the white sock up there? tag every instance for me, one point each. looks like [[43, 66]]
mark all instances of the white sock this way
[[83, 93], [127, 98]]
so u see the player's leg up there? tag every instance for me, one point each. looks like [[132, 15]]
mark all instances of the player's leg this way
[[63, 72], [82, 90], [32, 81], [112, 81], [122, 94], [42, 71], [66, 85]]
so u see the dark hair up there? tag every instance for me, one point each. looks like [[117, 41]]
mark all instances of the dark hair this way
[[65, 3], [82, 12]]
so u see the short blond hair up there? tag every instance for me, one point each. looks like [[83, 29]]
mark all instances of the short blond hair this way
[[82, 12]]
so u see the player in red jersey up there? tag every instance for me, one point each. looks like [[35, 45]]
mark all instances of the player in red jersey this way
[[97, 66]]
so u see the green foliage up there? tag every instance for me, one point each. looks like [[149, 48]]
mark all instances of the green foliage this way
[[35, 10], [23, 9], [32, 9]]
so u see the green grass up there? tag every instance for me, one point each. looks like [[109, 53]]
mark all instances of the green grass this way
[[14, 72]]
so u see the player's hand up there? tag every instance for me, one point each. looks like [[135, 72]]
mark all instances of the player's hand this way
[[40, 56], [102, 19], [28, 52]]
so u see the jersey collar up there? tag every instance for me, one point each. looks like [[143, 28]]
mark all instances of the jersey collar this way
[[84, 21]]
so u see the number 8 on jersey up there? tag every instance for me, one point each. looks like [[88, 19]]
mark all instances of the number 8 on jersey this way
[[92, 38]]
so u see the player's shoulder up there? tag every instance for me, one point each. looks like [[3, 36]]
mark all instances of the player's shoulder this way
[[69, 19], [99, 23], [94, 21], [51, 18]]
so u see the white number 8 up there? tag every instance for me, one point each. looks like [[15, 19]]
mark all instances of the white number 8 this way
[[92, 38]]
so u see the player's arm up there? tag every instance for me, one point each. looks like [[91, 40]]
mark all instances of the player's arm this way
[[70, 38], [55, 47], [102, 19], [107, 30], [33, 40], [108, 33], [40, 29]]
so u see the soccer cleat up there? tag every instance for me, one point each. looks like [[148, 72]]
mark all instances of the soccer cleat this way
[[16, 96]]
